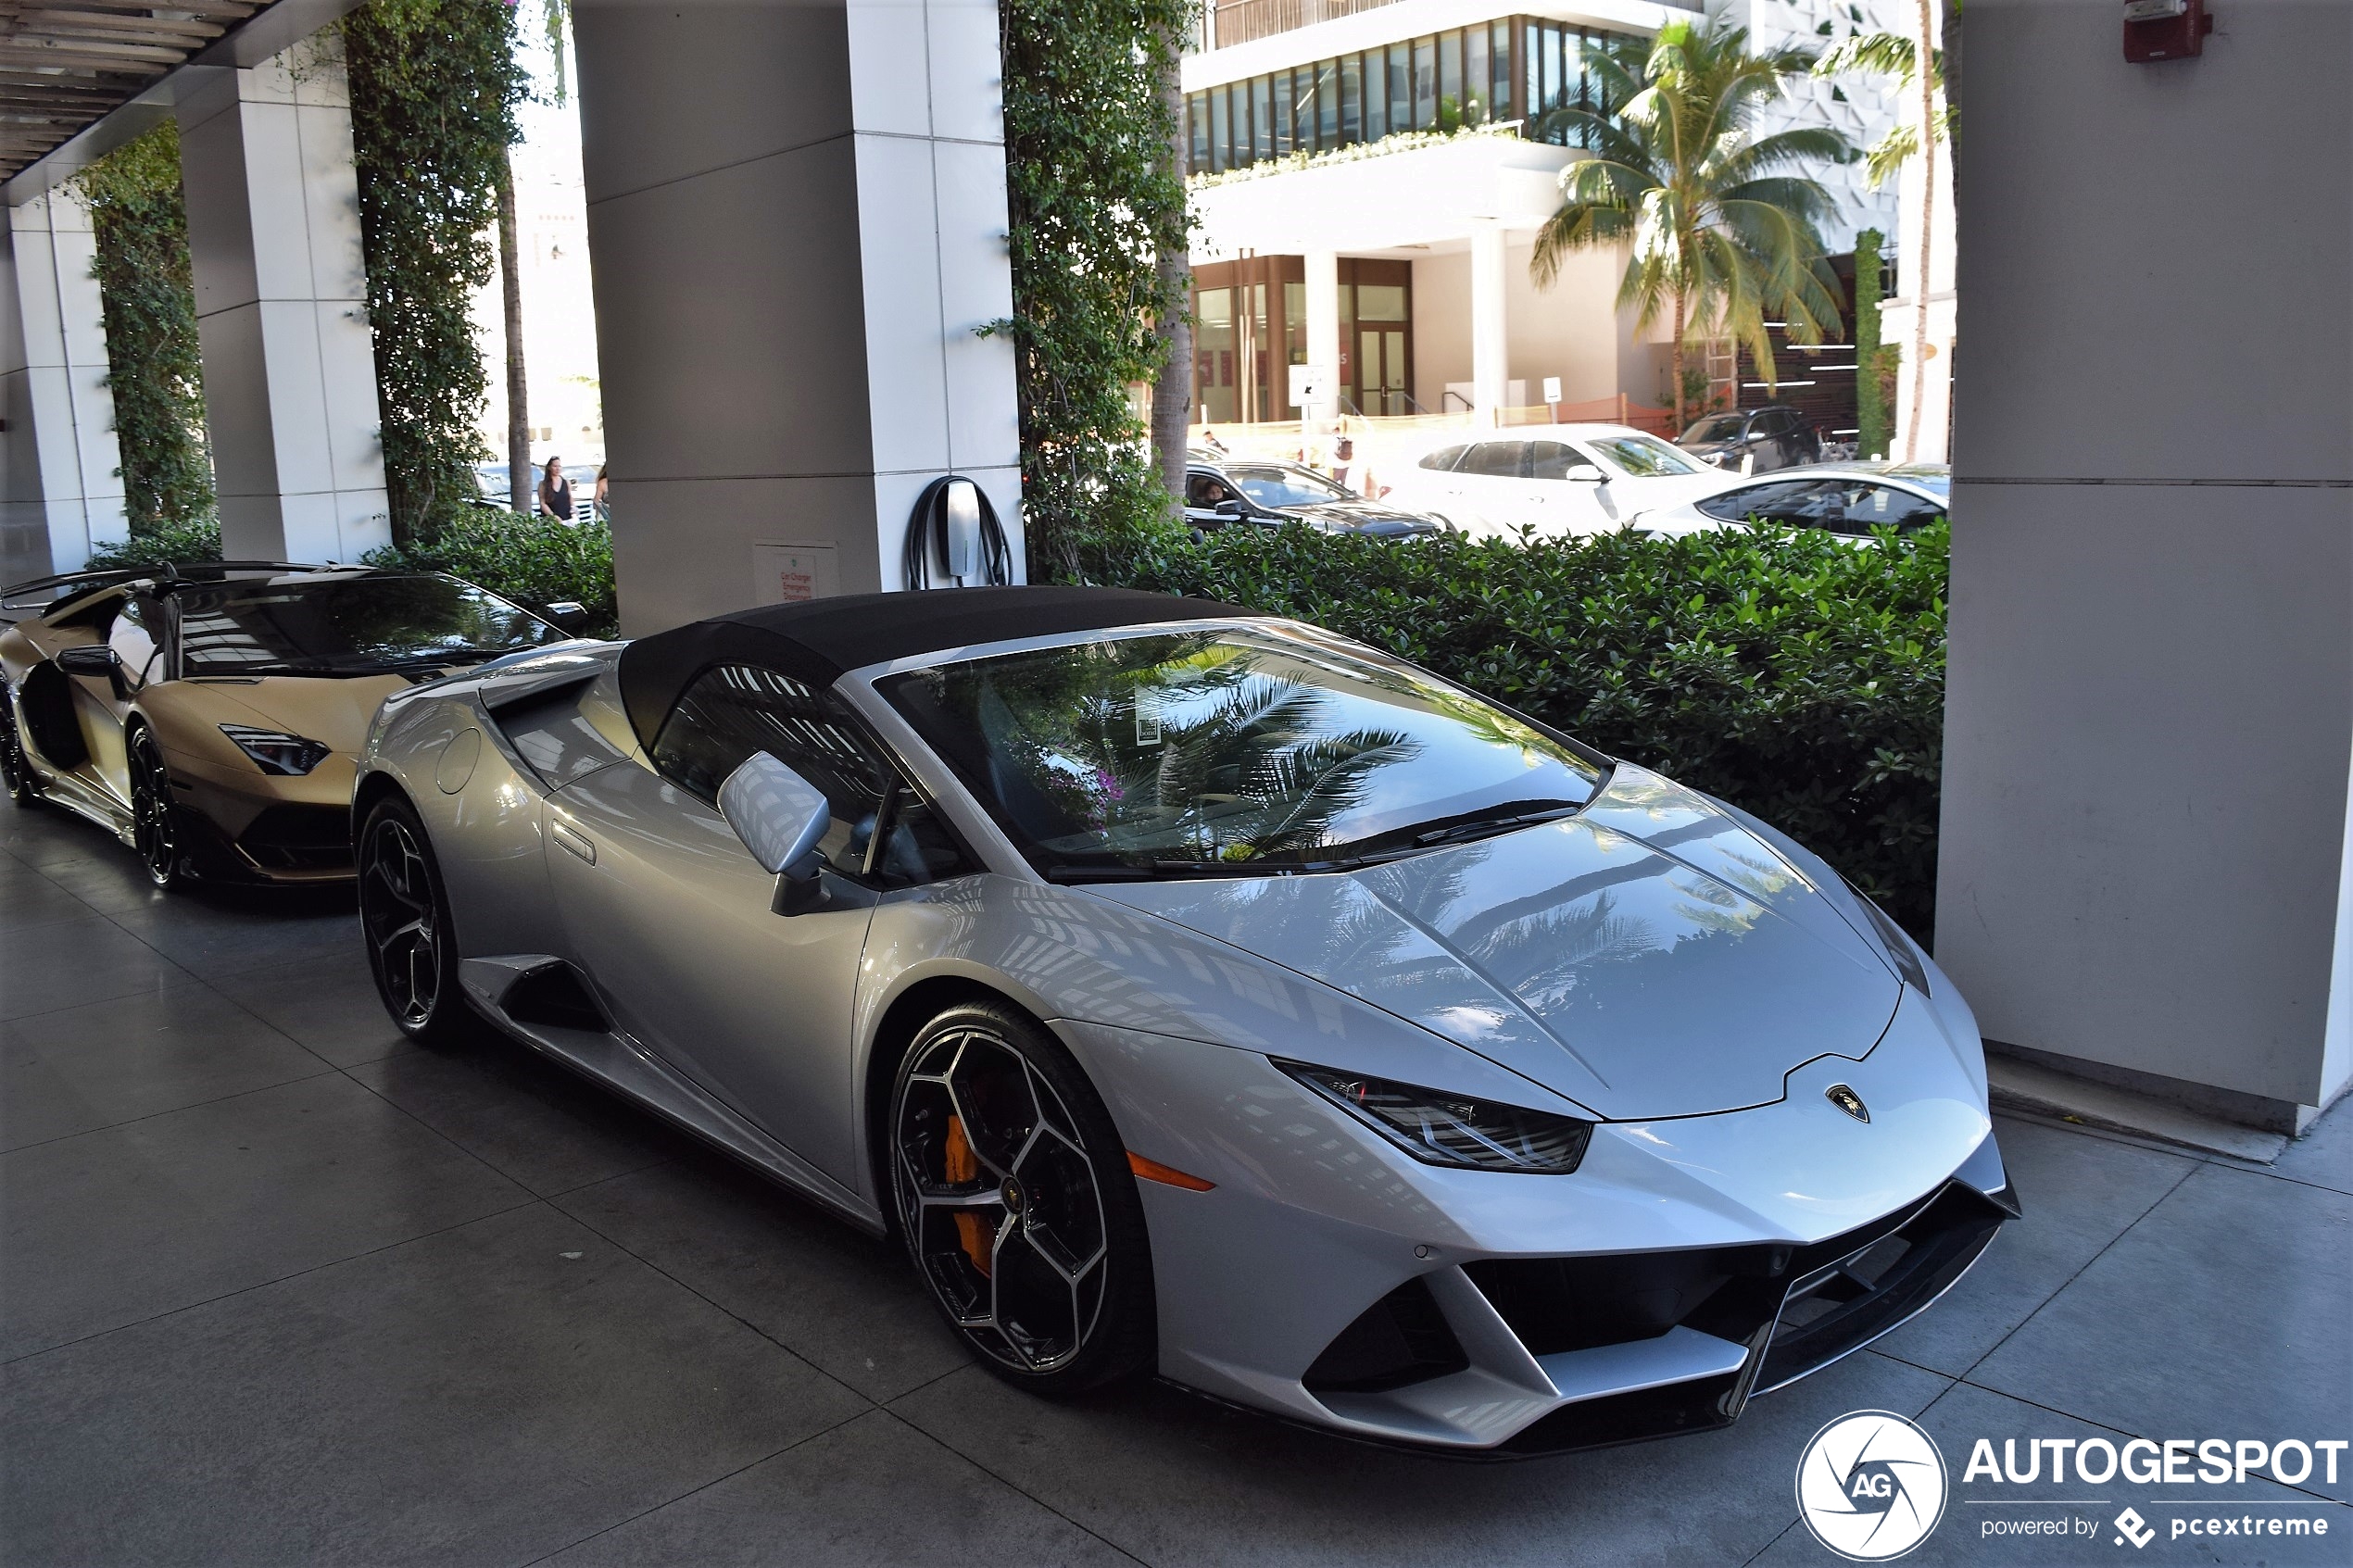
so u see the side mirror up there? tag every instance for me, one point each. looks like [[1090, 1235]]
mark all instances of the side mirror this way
[[780, 816], [1232, 509], [1585, 473], [568, 615], [93, 659]]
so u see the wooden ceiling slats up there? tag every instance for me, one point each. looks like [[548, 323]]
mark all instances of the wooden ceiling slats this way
[[64, 63]]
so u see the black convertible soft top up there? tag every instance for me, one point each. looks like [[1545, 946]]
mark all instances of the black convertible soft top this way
[[815, 642]]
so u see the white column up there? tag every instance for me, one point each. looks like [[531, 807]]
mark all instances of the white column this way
[[1491, 351], [65, 469], [2149, 700], [1323, 332], [797, 214], [289, 367]]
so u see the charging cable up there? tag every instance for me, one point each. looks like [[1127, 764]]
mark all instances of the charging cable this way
[[954, 526]]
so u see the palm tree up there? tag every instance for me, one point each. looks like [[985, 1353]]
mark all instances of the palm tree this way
[[1724, 235]]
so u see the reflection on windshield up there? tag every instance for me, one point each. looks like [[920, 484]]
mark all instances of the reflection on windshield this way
[[1235, 750], [1273, 488], [349, 624], [1645, 456]]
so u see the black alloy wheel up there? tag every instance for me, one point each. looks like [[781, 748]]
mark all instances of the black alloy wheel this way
[[1014, 1194], [404, 915], [154, 816], [16, 768]]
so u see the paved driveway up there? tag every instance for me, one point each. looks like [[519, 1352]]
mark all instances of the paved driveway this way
[[276, 1287]]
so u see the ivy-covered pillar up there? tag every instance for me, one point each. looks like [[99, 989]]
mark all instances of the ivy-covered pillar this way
[[798, 216], [289, 369], [63, 480]]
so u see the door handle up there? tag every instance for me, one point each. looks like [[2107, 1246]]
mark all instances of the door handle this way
[[571, 838]]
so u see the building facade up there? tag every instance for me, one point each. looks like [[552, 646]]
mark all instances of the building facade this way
[[1369, 180]]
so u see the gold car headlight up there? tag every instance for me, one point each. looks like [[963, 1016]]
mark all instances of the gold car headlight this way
[[274, 751]]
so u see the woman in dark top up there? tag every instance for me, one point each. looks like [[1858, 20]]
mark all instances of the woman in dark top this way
[[554, 492]]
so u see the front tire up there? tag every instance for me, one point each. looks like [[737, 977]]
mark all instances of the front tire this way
[[157, 825], [404, 917], [1014, 1197]]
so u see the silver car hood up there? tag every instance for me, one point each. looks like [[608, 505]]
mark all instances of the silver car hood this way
[[1648, 958]]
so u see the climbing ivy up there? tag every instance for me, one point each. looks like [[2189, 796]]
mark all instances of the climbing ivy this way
[[433, 89], [154, 366], [1093, 204]]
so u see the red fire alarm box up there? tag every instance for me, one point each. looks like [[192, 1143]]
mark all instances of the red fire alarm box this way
[[2165, 30]]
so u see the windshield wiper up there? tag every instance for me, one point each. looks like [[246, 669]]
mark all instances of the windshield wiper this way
[[1487, 827]]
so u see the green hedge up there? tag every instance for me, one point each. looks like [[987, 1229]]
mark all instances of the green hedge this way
[[1796, 676]]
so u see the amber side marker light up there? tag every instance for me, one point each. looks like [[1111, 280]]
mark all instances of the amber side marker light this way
[[1169, 1175]]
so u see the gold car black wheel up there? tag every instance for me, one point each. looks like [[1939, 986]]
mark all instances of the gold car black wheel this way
[[405, 915], [1015, 1198], [154, 816]]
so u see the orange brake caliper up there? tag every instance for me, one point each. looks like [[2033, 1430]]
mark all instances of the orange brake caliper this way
[[964, 1165]]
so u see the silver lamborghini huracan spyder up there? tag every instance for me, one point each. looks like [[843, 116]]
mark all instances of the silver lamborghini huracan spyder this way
[[1198, 991]]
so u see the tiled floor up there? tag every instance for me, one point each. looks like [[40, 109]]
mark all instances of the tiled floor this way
[[276, 1287]]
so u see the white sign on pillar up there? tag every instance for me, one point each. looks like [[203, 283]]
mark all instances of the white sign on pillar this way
[[1310, 383]]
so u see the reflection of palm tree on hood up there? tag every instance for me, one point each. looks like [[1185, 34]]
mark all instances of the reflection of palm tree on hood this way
[[1571, 942]]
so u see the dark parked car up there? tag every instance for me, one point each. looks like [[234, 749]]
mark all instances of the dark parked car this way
[[1268, 494], [1754, 440]]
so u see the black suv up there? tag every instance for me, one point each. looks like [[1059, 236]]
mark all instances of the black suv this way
[[1754, 440]]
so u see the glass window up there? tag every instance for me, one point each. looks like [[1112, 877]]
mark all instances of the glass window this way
[[347, 624], [1326, 105], [1401, 87], [133, 637], [1239, 93], [1425, 83], [1791, 502], [1450, 80], [1280, 485], [1475, 77], [1553, 459], [1496, 459], [1380, 302], [1229, 751], [1261, 118], [1882, 505], [1213, 355], [1284, 136], [1205, 490], [1445, 458], [1221, 133], [1197, 111], [1375, 95], [1351, 98], [1304, 108], [1717, 427], [1531, 64], [1499, 106], [1645, 456], [734, 711]]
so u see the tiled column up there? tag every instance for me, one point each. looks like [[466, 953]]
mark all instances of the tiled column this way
[[289, 369], [63, 471], [797, 214]]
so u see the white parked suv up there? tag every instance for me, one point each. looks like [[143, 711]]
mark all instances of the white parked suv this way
[[1557, 480]]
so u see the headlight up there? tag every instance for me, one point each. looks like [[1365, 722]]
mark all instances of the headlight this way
[[1439, 1128], [274, 751], [1898, 945]]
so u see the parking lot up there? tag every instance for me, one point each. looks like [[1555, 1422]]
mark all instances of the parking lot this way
[[281, 1288]]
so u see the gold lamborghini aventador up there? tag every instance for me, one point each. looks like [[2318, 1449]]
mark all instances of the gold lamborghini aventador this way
[[209, 715]]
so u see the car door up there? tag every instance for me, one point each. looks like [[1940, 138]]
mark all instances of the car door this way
[[669, 913], [1572, 505]]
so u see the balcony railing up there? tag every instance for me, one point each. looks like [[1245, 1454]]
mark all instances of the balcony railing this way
[[1239, 21]]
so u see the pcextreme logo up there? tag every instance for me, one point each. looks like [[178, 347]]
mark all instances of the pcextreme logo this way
[[1870, 1485]]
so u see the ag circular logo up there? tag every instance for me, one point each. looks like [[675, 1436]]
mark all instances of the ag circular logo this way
[[1870, 1485]]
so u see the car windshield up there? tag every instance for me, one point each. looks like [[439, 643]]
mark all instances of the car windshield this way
[[1717, 427], [1230, 751], [346, 624], [1645, 456], [1271, 486], [1927, 476]]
